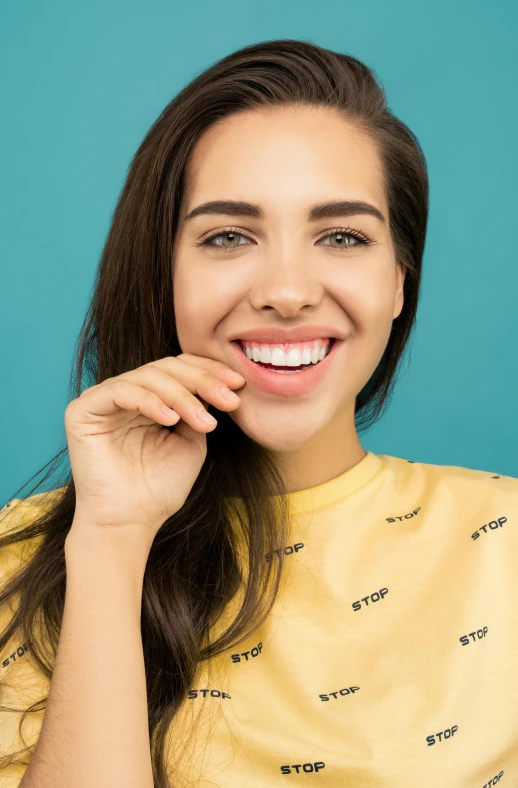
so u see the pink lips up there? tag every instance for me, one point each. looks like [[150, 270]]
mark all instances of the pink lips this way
[[296, 383]]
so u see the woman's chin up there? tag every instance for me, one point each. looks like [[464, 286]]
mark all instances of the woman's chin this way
[[277, 433]]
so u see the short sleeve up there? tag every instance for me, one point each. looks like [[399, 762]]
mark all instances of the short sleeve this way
[[21, 684]]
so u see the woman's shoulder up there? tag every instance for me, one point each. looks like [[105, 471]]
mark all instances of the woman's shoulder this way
[[448, 472], [16, 515], [34, 502], [19, 511], [456, 487]]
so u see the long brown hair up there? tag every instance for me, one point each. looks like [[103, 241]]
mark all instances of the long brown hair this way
[[131, 322]]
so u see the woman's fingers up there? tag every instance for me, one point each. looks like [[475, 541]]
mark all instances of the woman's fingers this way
[[184, 388], [185, 363], [125, 395]]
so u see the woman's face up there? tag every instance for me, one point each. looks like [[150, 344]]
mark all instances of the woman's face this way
[[277, 266]]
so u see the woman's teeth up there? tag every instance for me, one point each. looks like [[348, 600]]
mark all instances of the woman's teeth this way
[[302, 356]]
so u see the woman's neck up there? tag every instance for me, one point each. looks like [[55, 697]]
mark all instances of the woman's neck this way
[[327, 455]]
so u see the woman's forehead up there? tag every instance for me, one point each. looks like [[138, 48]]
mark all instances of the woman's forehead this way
[[289, 155]]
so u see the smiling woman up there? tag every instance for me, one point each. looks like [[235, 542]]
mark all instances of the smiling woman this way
[[292, 269], [226, 603]]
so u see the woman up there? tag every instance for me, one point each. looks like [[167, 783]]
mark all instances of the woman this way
[[225, 603]]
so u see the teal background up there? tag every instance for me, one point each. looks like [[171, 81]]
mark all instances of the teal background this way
[[82, 83]]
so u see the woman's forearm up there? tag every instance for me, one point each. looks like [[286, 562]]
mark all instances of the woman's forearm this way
[[95, 726]]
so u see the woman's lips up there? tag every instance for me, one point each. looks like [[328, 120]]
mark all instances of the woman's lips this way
[[292, 384]]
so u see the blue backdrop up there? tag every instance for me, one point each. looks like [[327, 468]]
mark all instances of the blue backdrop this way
[[82, 83]]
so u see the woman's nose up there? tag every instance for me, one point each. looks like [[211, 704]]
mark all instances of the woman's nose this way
[[285, 284]]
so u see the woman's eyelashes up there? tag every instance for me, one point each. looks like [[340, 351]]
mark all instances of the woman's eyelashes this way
[[346, 237]]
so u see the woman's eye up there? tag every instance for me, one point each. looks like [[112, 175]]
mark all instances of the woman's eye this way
[[344, 240], [231, 236]]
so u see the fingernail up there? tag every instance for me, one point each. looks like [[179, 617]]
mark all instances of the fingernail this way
[[203, 415], [225, 392], [234, 375]]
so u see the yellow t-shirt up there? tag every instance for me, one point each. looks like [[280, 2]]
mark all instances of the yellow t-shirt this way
[[390, 658]]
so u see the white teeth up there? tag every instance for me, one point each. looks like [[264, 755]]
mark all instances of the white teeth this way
[[266, 355], [277, 357], [293, 358]]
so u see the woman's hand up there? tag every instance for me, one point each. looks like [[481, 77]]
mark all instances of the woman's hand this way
[[129, 473]]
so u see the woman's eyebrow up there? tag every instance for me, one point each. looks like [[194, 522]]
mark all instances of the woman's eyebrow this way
[[328, 210]]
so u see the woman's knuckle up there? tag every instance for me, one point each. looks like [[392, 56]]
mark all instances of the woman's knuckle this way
[[149, 396], [153, 365], [207, 378]]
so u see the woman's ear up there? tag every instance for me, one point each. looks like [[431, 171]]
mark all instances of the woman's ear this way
[[400, 281]]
